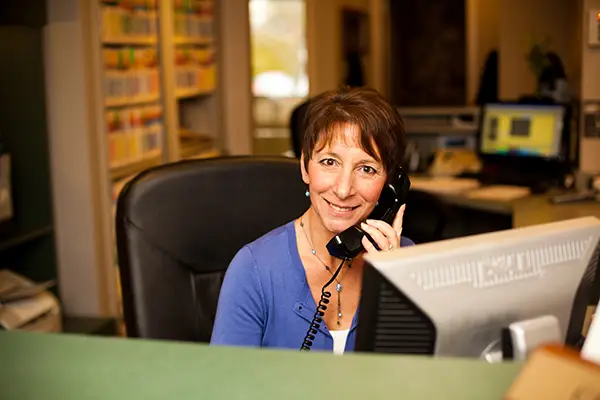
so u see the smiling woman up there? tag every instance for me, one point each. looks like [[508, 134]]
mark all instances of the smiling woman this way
[[354, 141]]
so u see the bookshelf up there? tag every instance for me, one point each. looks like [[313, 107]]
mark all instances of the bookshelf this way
[[195, 60], [131, 85]]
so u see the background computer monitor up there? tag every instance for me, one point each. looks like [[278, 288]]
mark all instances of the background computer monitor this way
[[522, 130], [455, 297]]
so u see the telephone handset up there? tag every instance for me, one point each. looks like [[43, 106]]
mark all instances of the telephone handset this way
[[347, 244]]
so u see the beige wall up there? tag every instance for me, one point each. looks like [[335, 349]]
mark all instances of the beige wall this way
[[590, 88], [590, 83], [322, 39], [524, 20], [483, 35], [325, 67], [236, 77], [380, 44], [87, 279]]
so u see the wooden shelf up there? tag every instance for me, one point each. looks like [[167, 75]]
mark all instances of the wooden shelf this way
[[130, 40], [135, 167], [192, 92], [191, 146], [182, 40], [131, 101], [17, 236]]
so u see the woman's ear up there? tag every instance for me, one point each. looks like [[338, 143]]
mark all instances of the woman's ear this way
[[303, 169]]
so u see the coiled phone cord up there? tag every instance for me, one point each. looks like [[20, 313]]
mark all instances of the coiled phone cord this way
[[320, 312]]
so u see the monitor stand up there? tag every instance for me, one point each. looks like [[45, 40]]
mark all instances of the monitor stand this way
[[520, 338]]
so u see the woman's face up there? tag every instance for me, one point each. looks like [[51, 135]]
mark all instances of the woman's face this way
[[344, 181]]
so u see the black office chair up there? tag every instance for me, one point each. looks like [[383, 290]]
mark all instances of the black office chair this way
[[179, 225]]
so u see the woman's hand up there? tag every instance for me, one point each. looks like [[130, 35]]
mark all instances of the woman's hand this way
[[387, 237]]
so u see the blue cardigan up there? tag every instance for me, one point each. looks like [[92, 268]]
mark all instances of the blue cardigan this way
[[265, 299]]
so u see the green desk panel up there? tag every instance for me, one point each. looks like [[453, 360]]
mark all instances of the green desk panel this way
[[61, 366]]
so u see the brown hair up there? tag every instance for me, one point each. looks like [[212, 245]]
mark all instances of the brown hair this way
[[379, 124]]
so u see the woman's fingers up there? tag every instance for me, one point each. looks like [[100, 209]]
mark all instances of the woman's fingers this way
[[382, 233], [398, 220], [387, 230], [368, 246], [378, 236], [385, 235]]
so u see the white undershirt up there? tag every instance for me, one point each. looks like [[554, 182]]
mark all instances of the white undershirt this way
[[339, 340]]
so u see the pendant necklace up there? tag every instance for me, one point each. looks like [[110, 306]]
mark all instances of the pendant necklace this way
[[338, 286]]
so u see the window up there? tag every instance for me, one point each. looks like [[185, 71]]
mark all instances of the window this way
[[279, 55]]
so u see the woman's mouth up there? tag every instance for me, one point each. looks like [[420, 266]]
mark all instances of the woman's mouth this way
[[341, 209]]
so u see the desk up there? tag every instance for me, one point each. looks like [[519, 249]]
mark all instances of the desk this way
[[536, 210], [530, 210], [54, 366], [459, 215]]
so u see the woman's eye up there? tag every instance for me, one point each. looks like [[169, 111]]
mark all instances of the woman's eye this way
[[368, 170], [330, 162]]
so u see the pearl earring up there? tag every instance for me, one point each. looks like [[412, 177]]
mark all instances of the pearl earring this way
[[307, 193]]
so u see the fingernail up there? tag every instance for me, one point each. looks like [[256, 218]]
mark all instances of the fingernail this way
[[363, 224], [370, 221]]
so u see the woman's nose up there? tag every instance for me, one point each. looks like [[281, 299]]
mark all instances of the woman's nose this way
[[343, 185]]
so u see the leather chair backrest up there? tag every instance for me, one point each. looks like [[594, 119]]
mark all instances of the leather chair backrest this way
[[179, 225]]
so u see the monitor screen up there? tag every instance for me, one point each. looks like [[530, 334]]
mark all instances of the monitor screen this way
[[522, 130]]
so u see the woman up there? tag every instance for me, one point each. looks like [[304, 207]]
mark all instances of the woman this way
[[353, 141]]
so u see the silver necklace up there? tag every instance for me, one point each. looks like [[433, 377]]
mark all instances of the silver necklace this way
[[338, 286]]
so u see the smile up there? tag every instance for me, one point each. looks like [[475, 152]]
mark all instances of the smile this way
[[341, 209]]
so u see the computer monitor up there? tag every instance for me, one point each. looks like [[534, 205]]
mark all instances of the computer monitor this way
[[455, 297], [523, 130]]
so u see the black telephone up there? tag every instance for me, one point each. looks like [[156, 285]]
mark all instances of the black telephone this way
[[347, 244]]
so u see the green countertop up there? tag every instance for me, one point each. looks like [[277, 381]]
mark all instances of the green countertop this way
[[62, 366]]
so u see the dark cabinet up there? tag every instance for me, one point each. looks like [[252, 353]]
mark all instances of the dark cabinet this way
[[26, 241]]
